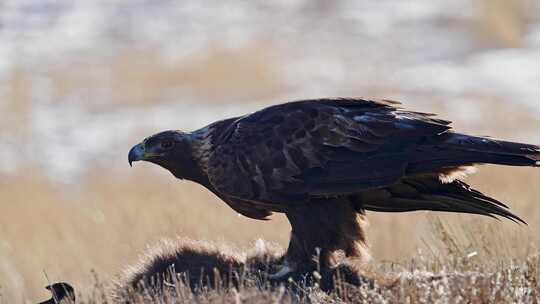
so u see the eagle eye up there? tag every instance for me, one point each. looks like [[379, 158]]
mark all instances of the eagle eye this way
[[167, 144]]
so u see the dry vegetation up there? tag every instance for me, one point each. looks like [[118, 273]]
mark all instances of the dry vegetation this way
[[104, 224], [89, 232], [101, 224]]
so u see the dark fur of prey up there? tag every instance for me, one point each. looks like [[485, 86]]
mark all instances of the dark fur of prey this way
[[201, 265]]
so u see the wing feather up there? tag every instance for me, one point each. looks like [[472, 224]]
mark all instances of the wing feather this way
[[293, 151]]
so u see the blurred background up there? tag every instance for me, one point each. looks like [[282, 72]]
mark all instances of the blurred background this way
[[82, 81]]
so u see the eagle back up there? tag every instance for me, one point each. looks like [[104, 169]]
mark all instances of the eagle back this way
[[286, 154]]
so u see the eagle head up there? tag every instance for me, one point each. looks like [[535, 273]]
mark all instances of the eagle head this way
[[169, 149]]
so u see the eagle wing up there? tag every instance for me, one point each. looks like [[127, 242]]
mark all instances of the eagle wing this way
[[286, 154]]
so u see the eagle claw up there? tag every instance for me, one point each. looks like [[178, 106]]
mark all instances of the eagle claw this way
[[282, 273]]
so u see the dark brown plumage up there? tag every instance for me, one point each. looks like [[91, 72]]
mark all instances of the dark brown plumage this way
[[324, 162], [62, 293]]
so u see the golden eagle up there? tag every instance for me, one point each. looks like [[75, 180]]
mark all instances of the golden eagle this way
[[325, 162]]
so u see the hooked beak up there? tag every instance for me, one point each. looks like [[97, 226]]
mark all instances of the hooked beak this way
[[135, 154]]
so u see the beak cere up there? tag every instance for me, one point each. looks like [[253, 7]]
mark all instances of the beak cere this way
[[136, 153]]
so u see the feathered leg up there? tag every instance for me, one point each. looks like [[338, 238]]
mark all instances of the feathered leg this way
[[322, 233]]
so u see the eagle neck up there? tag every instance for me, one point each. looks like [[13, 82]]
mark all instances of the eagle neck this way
[[201, 146]]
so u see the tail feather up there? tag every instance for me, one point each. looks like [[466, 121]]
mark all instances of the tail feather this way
[[423, 193], [494, 150], [432, 183], [455, 150]]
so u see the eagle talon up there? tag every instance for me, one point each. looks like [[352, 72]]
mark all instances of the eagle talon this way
[[282, 273]]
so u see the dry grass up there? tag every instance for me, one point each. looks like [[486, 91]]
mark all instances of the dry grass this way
[[101, 224], [106, 222]]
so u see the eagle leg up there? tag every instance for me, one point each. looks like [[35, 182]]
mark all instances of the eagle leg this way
[[324, 232]]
